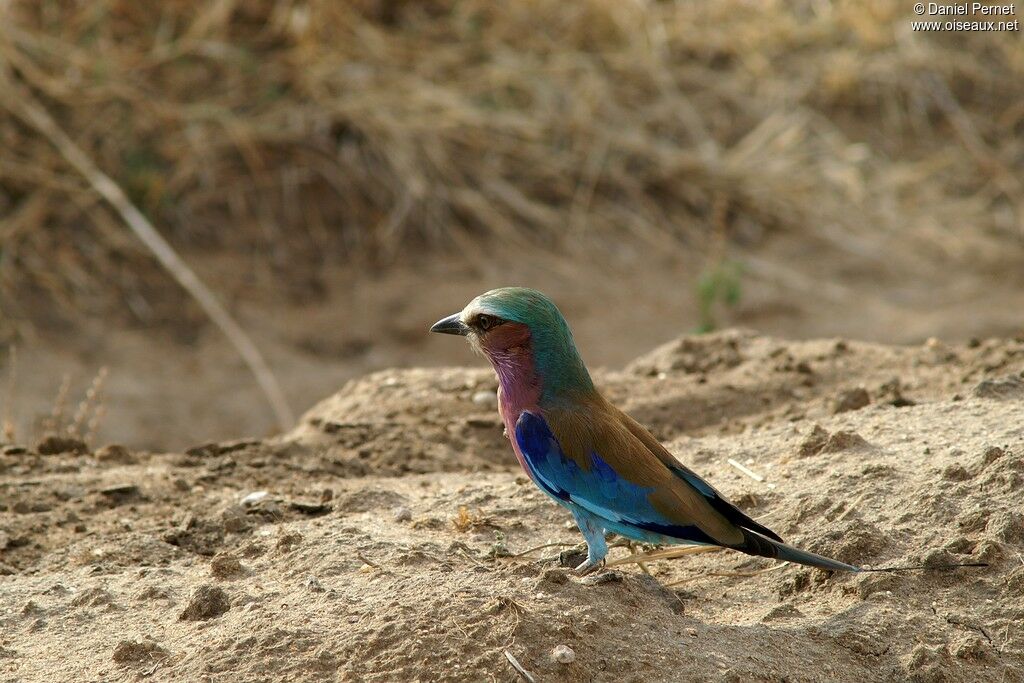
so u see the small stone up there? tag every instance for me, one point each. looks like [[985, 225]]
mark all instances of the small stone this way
[[402, 514], [485, 398], [234, 520], [853, 399], [253, 498], [207, 602], [563, 654], [307, 508], [121, 494], [1005, 388]]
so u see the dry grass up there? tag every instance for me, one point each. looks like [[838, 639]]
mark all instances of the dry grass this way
[[309, 131], [465, 520]]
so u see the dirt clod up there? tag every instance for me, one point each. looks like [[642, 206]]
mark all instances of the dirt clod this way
[[1001, 389], [120, 494], [56, 444], [115, 453], [851, 399], [287, 542], [207, 602], [814, 442], [138, 652], [225, 566], [821, 441]]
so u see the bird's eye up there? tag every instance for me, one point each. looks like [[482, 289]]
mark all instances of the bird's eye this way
[[486, 322]]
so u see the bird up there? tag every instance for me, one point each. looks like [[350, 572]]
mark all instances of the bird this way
[[609, 471]]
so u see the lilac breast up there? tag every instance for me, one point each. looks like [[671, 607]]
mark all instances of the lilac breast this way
[[518, 390]]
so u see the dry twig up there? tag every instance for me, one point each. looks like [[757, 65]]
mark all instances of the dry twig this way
[[523, 673], [20, 102], [666, 554], [745, 470]]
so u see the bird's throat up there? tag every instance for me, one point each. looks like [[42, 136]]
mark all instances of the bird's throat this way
[[518, 383]]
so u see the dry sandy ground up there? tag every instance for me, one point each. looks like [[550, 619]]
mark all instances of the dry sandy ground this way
[[385, 547]]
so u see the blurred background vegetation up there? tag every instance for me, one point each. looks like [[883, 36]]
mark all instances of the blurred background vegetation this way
[[810, 167]]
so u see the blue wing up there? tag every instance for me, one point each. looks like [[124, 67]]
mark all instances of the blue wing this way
[[623, 505]]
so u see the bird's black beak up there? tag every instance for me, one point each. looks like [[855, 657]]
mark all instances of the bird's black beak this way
[[450, 325]]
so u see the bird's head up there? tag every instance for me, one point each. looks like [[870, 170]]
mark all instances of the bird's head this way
[[513, 324]]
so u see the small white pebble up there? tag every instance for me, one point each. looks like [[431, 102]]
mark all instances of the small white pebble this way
[[485, 398], [253, 498], [563, 654], [402, 514]]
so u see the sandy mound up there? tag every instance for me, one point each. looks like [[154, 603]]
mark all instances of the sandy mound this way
[[377, 541]]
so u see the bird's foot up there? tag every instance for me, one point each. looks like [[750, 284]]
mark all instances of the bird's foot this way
[[589, 566]]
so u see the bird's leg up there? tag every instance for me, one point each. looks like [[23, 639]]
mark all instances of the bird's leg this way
[[593, 532]]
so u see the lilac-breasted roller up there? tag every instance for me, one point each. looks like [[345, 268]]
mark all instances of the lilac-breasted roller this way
[[589, 456]]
